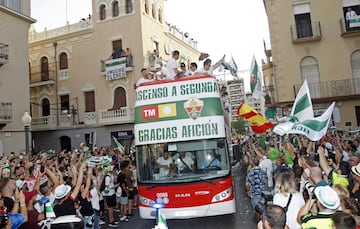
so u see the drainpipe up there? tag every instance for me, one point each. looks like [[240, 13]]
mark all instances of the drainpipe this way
[[56, 86]]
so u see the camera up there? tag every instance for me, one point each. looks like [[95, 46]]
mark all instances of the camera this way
[[309, 186], [266, 199], [3, 220]]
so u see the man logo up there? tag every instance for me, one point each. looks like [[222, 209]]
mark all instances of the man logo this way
[[193, 107]]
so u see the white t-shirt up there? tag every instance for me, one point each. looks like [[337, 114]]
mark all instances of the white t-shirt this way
[[171, 64], [162, 161], [143, 80], [109, 184], [297, 202], [187, 160], [203, 71], [95, 199], [266, 165]]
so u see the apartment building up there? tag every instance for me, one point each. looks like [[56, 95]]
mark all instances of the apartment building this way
[[311, 39], [77, 96], [15, 21]]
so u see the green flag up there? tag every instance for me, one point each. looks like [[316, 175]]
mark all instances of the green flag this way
[[118, 145], [231, 66], [162, 224], [255, 79]]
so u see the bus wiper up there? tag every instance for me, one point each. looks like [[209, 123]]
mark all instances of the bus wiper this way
[[208, 181], [152, 186]]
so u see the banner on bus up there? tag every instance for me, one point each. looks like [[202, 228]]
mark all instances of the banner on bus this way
[[180, 130]]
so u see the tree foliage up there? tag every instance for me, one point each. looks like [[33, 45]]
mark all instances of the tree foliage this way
[[240, 126]]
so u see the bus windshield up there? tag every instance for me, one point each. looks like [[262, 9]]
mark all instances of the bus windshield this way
[[184, 161]]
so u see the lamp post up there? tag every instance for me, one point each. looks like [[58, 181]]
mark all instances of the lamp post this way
[[26, 119]]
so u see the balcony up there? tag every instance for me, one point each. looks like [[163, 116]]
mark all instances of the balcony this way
[[332, 89], [118, 116], [43, 123], [306, 32], [44, 78], [116, 67], [4, 54], [346, 31]]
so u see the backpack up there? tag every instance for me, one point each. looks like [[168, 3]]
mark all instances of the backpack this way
[[102, 186]]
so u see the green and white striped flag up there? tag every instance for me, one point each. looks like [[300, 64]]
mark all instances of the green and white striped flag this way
[[314, 129], [162, 224], [255, 79], [118, 145], [231, 66], [302, 110]]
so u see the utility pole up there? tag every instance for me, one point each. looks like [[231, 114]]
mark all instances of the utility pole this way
[[56, 85]]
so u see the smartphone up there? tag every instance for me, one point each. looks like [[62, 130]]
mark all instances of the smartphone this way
[[42, 169]]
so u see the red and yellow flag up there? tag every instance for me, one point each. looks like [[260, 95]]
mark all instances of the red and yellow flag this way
[[258, 123]]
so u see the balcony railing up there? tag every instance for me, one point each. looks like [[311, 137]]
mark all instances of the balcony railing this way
[[306, 32], [122, 115], [5, 112], [42, 78], [335, 88], [346, 31], [4, 53], [43, 123], [68, 29]]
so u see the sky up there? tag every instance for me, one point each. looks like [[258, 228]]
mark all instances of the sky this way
[[235, 27]]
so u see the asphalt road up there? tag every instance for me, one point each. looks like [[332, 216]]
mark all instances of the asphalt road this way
[[243, 218]]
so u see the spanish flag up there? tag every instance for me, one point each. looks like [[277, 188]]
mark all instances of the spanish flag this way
[[258, 123]]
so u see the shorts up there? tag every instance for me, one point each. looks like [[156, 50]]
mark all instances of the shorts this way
[[111, 201], [131, 193], [124, 200]]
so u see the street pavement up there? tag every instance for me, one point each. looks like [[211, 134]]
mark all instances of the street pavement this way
[[243, 218]]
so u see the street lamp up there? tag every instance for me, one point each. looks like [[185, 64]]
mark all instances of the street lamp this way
[[26, 119]]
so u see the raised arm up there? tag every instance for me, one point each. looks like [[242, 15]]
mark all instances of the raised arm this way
[[79, 181], [323, 162], [217, 64], [85, 193]]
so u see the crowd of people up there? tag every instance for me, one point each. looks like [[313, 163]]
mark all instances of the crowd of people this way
[[297, 183], [175, 70], [36, 189]]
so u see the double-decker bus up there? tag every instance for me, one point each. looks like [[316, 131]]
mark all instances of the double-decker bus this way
[[183, 116]]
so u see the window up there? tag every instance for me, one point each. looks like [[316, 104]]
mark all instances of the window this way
[[45, 107], [355, 68], [44, 65], [89, 101], [119, 98], [146, 7], [63, 61], [309, 69], [153, 11], [12, 4], [117, 49], [65, 106], [115, 9], [303, 20], [160, 15], [129, 6], [102, 12]]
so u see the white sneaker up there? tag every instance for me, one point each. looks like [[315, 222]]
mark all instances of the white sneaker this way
[[124, 219], [101, 222]]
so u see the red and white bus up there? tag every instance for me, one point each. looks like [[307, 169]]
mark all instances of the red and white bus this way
[[183, 115]]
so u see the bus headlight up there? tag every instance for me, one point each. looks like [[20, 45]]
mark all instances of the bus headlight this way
[[222, 195], [146, 201]]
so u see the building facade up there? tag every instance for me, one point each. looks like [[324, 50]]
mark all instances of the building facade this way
[[311, 39], [15, 21], [76, 96]]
